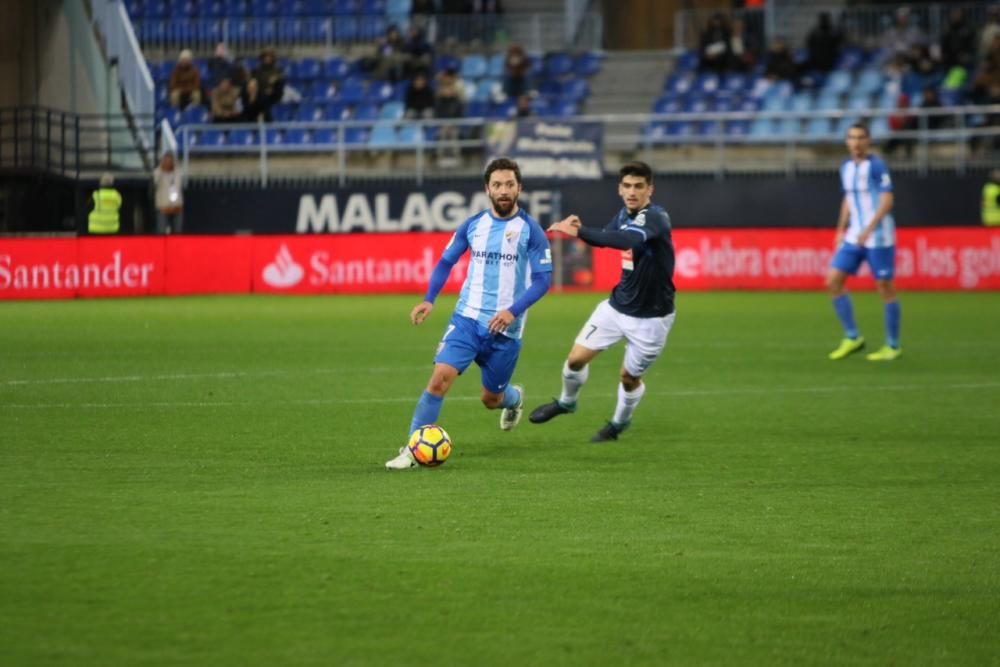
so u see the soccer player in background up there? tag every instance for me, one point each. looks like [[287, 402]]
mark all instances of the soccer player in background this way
[[640, 308], [866, 232], [510, 268]]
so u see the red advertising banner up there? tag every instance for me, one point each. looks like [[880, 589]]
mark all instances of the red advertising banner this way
[[209, 265], [961, 258], [927, 258], [350, 263]]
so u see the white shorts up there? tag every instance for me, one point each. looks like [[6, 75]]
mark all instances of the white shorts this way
[[645, 337]]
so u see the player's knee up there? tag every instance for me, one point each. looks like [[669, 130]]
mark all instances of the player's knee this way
[[834, 283], [629, 381]]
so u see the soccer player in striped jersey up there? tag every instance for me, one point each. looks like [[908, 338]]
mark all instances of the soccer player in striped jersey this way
[[510, 268], [866, 232], [640, 308]]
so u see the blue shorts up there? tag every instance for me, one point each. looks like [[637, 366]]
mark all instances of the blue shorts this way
[[881, 261], [466, 340]]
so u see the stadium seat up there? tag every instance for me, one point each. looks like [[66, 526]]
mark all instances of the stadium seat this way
[[242, 138], [209, 138], [195, 115], [495, 65], [335, 68], [353, 90], [383, 135], [410, 135], [336, 110], [558, 64], [838, 83], [310, 111], [274, 137], [365, 112], [474, 66], [587, 64], [284, 112], [870, 81], [297, 136], [391, 111], [819, 128], [687, 62]]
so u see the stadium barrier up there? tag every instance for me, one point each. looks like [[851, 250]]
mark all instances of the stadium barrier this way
[[927, 259]]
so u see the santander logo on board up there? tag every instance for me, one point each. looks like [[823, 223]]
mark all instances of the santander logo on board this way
[[284, 271]]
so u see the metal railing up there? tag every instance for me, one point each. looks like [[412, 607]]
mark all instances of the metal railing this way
[[71, 145], [953, 139], [112, 23], [536, 32]]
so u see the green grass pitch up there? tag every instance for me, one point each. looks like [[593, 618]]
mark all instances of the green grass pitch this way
[[200, 481]]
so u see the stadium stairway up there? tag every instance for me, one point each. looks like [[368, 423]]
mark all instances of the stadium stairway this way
[[629, 82]]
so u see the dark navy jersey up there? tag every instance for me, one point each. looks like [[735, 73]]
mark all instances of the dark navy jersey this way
[[646, 288]]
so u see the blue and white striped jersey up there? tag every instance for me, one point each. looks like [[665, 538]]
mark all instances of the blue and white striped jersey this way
[[862, 183], [503, 253]]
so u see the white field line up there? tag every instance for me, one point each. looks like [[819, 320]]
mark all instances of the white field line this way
[[324, 402]]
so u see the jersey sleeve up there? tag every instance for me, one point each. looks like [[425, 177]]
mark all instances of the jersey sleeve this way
[[539, 252], [880, 176], [650, 223], [458, 243]]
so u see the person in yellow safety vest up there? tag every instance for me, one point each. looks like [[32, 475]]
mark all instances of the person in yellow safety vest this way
[[107, 201], [991, 200]]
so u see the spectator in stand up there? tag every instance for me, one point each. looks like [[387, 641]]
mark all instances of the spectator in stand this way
[[958, 43], [221, 66], [990, 30], [715, 50], [823, 45], [270, 79], [743, 50], [523, 106], [185, 82], [419, 99], [986, 84], [390, 57], [168, 196], [255, 106], [780, 64], [449, 103], [226, 106], [456, 6], [902, 36], [515, 71], [921, 72], [419, 52], [487, 6], [907, 123]]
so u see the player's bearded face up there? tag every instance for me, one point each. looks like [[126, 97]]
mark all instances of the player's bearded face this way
[[503, 190]]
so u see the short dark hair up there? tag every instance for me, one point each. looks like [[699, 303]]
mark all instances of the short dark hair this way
[[860, 126], [636, 168], [505, 164]]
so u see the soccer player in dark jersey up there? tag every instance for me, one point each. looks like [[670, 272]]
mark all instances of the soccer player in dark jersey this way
[[640, 308]]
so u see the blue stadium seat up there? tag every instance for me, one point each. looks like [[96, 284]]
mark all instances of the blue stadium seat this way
[[838, 83], [444, 62], [284, 112], [802, 102], [195, 114], [265, 8], [297, 136], [383, 135], [335, 68], [587, 64], [737, 128], [819, 128], [308, 69], [688, 62], [502, 111], [476, 108], [870, 81], [735, 82], [323, 136], [380, 92], [679, 84], [345, 7], [763, 128], [373, 7], [558, 64], [274, 137], [667, 104], [495, 65], [706, 83], [237, 8], [474, 66], [575, 90], [242, 138], [365, 112], [353, 89], [486, 90], [320, 90], [209, 138], [391, 111], [310, 111], [409, 135], [336, 110], [828, 102], [563, 109]]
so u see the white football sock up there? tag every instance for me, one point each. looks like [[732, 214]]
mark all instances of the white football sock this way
[[627, 403], [572, 382]]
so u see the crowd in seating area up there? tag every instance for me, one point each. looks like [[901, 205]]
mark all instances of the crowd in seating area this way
[[901, 69], [406, 78]]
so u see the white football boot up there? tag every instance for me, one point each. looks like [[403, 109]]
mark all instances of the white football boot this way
[[509, 417], [404, 461]]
